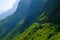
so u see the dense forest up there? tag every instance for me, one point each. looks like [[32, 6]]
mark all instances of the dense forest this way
[[45, 25]]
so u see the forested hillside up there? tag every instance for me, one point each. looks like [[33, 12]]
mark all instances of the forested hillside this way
[[45, 26]]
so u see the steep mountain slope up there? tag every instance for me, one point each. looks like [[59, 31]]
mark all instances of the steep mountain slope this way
[[11, 21], [44, 25], [25, 8], [46, 28], [38, 32]]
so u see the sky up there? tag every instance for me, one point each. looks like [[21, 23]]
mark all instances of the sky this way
[[6, 5]]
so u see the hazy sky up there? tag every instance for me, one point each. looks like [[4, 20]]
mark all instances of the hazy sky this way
[[6, 5]]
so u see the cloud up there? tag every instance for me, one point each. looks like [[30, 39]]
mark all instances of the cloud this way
[[6, 5]]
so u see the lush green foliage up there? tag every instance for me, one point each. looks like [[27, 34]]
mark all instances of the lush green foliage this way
[[38, 31], [47, 26]]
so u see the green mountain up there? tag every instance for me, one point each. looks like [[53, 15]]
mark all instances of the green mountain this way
[[25, 12], [47, 26]]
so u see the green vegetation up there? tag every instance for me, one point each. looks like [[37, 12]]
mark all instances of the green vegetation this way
[[42, 17], [38, 31], [14, 32], [47, 26], [34, 32]]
